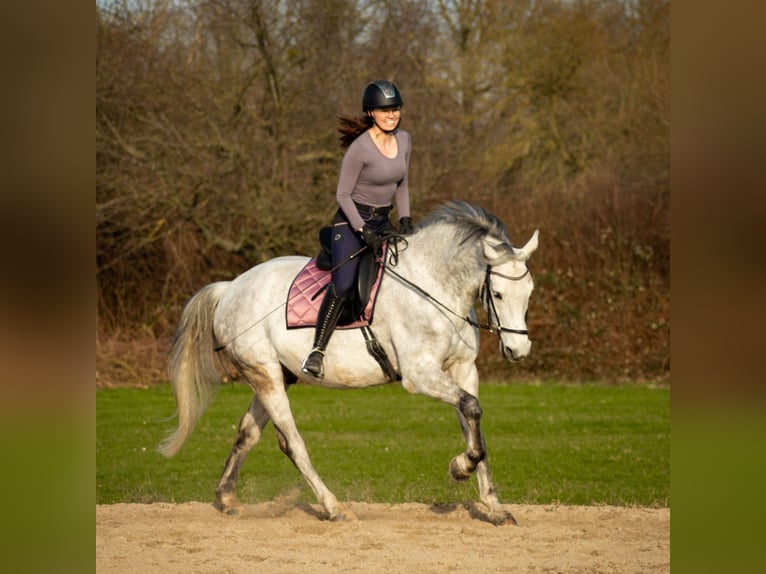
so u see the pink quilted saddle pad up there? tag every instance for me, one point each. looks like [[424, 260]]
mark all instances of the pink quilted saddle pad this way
[[304, 299]]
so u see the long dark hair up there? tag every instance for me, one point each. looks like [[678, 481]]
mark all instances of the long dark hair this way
[[351, 127]]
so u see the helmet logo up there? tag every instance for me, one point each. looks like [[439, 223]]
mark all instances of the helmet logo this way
[[387, 91]]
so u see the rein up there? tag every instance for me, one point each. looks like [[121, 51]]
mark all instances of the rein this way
[[394, 258], [486, 289]]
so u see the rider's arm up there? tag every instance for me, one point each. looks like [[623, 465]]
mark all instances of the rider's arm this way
[[350, 168]]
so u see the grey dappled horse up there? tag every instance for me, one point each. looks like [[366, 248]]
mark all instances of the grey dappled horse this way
[[424, 320]]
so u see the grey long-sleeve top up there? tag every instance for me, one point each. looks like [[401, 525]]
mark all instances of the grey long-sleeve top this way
[[370, 178]]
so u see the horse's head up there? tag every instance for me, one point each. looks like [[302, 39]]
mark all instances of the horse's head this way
[[507, 283], [505, 294]]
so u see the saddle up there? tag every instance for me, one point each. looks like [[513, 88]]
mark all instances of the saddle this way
[[307, 289]]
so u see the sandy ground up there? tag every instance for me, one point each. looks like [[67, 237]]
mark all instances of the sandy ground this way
[[274, 537]]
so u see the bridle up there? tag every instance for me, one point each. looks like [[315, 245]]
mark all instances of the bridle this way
[[485, 294]]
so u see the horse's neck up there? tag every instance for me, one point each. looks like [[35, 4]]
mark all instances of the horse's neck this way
[[433, 262]]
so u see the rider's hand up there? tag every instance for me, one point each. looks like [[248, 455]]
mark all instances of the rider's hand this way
[[373, 240], [405, 225]]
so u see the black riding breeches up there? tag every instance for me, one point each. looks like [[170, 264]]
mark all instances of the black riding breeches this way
[[346, 250]]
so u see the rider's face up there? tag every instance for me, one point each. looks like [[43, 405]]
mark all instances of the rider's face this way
[[387, 118]]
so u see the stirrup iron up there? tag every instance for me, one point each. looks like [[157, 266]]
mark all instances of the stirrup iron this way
[[313, 364]]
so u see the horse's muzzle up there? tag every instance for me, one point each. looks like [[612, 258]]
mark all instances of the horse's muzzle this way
[[511, 354]]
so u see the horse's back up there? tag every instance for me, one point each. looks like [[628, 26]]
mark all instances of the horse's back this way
[[275, 273], [256, 293]]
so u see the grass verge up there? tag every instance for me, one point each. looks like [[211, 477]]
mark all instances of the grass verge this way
[[549, 443]]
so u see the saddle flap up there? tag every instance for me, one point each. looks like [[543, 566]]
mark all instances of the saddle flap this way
[[368, 275], [324, 258], [307, 290]]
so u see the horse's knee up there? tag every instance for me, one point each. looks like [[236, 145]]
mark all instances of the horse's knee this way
[[469, 406], [471, 410]]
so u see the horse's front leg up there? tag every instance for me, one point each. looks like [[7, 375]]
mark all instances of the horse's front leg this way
[[431, 381], [468, 378], [464, 465], [495, 511]]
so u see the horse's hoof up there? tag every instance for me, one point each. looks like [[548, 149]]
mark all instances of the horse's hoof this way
[[494, 513], [502, 518], [229, 504], [458, 473], [342, 515], [499, 516]]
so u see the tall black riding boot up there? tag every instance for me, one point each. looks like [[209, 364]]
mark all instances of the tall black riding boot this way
[[329, 311]]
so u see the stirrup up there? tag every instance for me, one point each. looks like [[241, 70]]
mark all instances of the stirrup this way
[[313, 364]]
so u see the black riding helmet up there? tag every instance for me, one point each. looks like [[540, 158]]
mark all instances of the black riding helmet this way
[[381, 94]]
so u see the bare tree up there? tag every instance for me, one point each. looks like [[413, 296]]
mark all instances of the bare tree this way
[[216, 142]]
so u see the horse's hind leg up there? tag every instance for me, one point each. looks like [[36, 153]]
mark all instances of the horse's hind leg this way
[[250, 430], [273, 397], [291, 443]]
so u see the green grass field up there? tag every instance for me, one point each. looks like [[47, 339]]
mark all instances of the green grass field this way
[[589, 444]]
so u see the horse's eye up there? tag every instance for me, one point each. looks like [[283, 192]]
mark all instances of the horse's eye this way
[[497, 295]]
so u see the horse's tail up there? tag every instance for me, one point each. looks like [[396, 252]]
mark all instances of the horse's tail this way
[[193, 367]]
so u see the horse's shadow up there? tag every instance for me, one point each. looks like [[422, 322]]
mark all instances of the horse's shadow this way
[[476, 512]]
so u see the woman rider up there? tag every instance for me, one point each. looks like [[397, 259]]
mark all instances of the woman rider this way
[[373, 173]]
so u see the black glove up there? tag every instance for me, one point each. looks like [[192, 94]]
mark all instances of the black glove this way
[[373, 240], [405, 225]]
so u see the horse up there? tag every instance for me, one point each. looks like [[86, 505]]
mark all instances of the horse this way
[[424, 321]]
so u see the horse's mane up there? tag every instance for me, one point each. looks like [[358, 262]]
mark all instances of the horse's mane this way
[[470, 224], [471, 221]]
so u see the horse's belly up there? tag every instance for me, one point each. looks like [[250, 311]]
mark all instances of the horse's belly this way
[[353, 374]]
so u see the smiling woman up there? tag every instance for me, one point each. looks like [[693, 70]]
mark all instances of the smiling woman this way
[[373, 173], [385, 120]]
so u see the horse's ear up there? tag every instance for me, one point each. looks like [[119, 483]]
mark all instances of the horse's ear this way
[[495, 250], [526, 251]]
